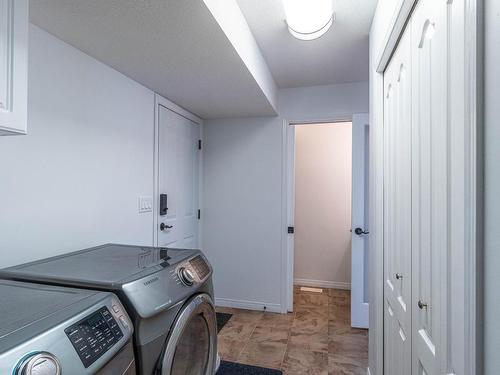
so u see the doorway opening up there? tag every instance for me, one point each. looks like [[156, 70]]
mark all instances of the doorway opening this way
[[323, 171], [327, 214]]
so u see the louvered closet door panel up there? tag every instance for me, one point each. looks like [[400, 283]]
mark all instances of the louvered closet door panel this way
[[429, 181], [397, 211]]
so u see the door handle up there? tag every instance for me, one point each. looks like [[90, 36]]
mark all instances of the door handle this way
[[359, 231], [421, 305], [163, 226]]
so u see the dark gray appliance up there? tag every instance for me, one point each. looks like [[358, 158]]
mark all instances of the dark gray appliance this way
[[168, 294], [49, 330]]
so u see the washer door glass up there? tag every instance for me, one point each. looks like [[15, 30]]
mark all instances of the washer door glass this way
[[193, 349], [192, 345]]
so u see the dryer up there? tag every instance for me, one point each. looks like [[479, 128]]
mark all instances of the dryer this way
[[168, 294], [49, 330]]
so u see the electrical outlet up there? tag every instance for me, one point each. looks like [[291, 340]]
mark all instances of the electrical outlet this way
[[145, 204]]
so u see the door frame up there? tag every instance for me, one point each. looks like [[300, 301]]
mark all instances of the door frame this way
[[473, 197], [163, 102], [288, 200], [359, 307]]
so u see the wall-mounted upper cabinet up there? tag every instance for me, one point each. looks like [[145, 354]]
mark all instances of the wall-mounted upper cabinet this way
[[13, 66]]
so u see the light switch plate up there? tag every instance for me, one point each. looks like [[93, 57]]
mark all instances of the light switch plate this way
[[145, 204]]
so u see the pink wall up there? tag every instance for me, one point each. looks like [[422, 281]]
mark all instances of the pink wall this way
[[323, 202]]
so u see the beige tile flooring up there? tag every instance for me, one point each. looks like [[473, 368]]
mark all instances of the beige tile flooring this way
[[316, 339]]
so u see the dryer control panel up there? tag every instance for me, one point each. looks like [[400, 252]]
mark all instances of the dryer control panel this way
[[200, 266], [172, 282], [94, 335], [192, 271]]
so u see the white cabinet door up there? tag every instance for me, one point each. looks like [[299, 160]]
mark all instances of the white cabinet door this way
[[430, 185], [397, 211], [13, 66], [178, 174]]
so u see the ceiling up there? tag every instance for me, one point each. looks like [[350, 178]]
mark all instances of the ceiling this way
[[339, 56], [175, 48], [206, 60]]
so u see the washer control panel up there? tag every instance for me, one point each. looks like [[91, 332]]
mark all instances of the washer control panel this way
[[94, 335]]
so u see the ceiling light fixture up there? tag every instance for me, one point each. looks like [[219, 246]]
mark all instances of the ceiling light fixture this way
[[308, 19]]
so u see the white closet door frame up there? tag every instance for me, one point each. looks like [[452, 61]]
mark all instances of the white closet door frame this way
[[466, 100], [161, 101]]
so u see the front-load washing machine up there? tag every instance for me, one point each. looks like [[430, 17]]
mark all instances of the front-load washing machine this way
[[50, 330], [168, 294]]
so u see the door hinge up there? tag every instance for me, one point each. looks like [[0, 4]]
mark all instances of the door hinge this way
[[199, 214], [199, 144], [291, 230]]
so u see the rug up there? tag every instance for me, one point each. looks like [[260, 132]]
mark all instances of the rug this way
[[231, 368], [222, 319]]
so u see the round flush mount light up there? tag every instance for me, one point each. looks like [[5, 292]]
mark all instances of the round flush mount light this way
[[308, 19]]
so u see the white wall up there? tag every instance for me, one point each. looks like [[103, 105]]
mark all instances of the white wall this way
[[323, 102], [385, 11], [242, 208], [491, 322], [75, 179], [323, 177], [242, 192]]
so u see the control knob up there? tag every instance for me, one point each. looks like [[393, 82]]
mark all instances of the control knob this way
[[186, 276], [41, 363]]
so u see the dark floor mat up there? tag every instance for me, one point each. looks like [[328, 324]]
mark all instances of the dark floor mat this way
[[231, 368], [222, 319]]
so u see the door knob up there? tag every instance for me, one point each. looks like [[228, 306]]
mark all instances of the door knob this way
[[421, 305], [163, 226], [360, 231]]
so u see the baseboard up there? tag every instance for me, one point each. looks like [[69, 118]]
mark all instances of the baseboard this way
[[322, 284], [248, 305]]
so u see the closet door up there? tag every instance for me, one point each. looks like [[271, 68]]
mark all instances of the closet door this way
[[397, 211], [429, 180], [14, 21]]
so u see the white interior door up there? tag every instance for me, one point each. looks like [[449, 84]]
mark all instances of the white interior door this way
[[359, 222], [178, 174], [430, 184], [397, 211]]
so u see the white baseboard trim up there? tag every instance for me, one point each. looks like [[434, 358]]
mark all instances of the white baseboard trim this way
[[248, 305], [322, 284]]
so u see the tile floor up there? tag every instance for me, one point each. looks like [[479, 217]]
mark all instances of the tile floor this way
[[316, 339]]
